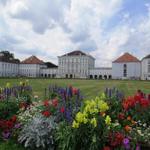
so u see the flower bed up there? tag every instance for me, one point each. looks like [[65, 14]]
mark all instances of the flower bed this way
[[67, 121]]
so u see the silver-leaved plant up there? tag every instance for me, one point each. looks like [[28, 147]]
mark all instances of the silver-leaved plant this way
[[38, 133]]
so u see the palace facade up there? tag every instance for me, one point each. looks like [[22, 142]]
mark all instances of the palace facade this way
[[76, 64]]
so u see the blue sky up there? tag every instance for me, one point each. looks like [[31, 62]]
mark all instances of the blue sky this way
[[49, 28]]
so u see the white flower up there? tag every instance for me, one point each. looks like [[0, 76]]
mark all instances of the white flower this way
[[139, 132]]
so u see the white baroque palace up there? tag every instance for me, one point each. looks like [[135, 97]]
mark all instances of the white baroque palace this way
[[76, 64]]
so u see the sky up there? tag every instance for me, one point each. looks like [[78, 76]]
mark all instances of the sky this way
[[104, 29]]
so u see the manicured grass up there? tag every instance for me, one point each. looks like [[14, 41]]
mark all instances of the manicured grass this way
[[89, 88]]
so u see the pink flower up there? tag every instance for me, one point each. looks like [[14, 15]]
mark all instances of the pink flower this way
[[46, 103], [55, 102], [62, 109]]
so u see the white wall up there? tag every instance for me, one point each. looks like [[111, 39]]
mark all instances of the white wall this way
[[49, 72], [8, 69], [145, 72], [101, 73], [133, 70], [30, 70]]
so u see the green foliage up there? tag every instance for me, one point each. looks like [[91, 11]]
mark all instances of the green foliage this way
[[8, 108], [64, 136], [11, 145], [38, 133]]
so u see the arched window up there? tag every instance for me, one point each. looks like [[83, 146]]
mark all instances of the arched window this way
[[66, 75], [105, 77], [91, 76], [95, 76], [100, 76], [109, 76], [70, 76]]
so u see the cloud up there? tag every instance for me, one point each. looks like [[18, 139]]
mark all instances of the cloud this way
[[3, 2], [42, 14], [50, 28]]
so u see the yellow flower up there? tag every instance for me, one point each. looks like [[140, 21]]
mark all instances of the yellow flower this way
[[80, 117], [87, 108], [85, 120], [7, 85], [75, 124], [103, 106], [108, 120], [94, 122]]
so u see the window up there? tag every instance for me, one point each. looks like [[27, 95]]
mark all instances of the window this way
[[125, 70]]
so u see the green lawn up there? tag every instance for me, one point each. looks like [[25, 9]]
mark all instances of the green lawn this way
[[89, 88]]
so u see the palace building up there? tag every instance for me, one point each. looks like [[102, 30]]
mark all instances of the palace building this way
[[126, 67], [75, 64], [145, 68]]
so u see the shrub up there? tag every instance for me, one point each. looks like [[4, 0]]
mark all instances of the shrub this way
[[38, 133]]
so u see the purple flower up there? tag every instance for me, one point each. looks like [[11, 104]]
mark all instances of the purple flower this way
[[68, 115], [126, 141], [6, 135], [17, 126]]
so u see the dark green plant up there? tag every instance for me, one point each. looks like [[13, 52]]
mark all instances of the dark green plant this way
[[8, 108]]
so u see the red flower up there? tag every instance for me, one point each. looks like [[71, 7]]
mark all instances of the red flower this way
[[55, 102], [46, 103], [74, 91], [62, 109], [116, 139], [106, 148], [121, 116], [137, 98], [129, 103], [46, 113], [9, 124], [14, 118], [144, 103]]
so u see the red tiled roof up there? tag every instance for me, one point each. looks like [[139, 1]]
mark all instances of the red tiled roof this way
[[126, 57], [32, 60]]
